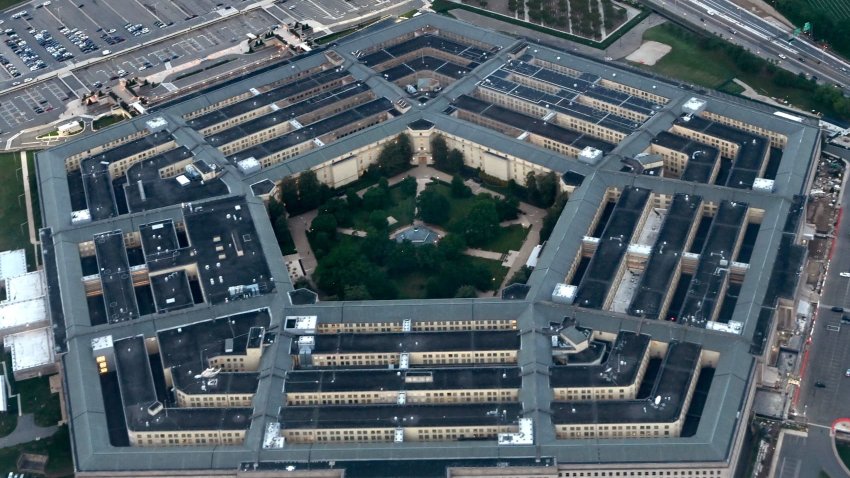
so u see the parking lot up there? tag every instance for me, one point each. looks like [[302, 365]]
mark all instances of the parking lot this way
[[32, 106], [325, 11], [57, 32], [176, 51], [49, 36]]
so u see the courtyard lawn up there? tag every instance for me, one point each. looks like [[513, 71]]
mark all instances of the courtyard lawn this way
[[508, 239], [402, 209], [495, 267]]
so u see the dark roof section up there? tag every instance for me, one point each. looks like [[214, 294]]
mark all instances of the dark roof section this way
[[454, 48], [713, 269], [480, 377], [619, 369], [427, 63], [752, 154], [97, 182], [54, 297], [655, 283], [261, 188], [291, 112], [135, 379], [171, 291], [394, 416], [177, 419], [532, 125], [315, 130], [420, 125], [562, 101], [190, 346], [285, 92], [303, 297], [680, 366], [145, 189], [224, 244], [703, 159], [158, 238], [243, 383], [612, 246], [114, 269], [415, 342]]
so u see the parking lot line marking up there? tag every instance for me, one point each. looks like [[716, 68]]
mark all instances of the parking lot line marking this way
[[116, 12], [323, 10], [149, 12]]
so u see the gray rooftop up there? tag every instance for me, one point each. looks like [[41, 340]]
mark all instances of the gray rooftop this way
[[237, 217]]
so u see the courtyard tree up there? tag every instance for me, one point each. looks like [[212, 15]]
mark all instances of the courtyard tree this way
[[480, 224], [433, 207]]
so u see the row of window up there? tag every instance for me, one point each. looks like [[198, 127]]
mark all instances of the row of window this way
[[417, 326], [638, 473]]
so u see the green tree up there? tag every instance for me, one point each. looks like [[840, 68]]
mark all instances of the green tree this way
[[429, 257], [439, 152], [408, 186], [289, 194], [507, 208], [395, 156], [324, 223], [454, 162], [433, 207], [375, 198], [310, 190], [378, 220], [402, 258], [465, 292], [480, 224], [459, 189], [354, 201], [376, 248], [452, 246]]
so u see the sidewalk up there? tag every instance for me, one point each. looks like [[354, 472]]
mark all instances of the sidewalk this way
[[26, 431]]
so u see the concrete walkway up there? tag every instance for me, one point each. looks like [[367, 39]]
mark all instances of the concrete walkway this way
[[26, 431], [298, 226], [25, 176]]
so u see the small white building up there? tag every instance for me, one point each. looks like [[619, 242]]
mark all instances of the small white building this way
[[69, 128]]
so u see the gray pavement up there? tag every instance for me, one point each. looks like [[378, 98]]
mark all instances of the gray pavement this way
[[805, 455], [26, 431]]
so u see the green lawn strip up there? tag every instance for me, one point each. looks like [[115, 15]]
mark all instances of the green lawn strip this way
[[495, 267], [508, 239], [409, 14], [56, 447], [105, 121], [13, 215]]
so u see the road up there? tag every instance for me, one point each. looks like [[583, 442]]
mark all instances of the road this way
[[827, 361], [766, 39]]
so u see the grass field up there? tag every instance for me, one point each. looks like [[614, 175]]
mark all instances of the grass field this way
[[509, 239], [13, 214], [713, 68]]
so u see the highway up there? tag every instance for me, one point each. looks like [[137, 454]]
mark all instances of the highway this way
[[766, 39]]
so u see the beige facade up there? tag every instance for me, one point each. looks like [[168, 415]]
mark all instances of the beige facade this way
[[186, 438], [415, 326], [411, 397], [416, 358], [447, 433]]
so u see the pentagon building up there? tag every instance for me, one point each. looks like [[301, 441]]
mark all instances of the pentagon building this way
[[632, 350]]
